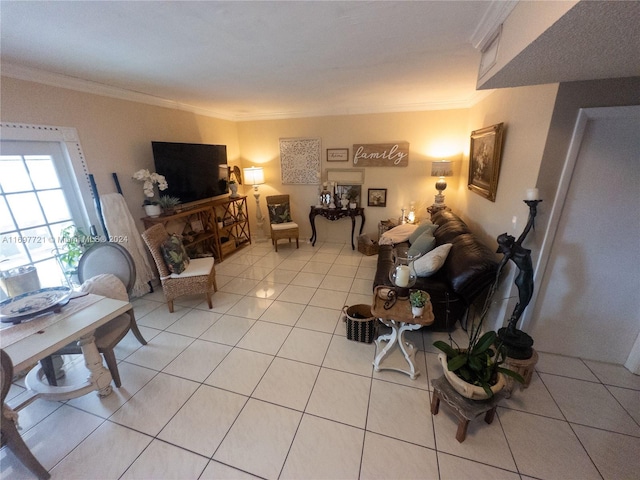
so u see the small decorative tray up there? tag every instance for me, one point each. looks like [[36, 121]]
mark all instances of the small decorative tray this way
[[31, 304]]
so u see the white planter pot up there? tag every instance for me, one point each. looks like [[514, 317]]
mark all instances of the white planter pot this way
[[465, 389], [353, 205], [152, 210], [417, 311], [233, 187]]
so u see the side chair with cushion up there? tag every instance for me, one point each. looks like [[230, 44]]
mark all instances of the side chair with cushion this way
[[8, 429], [179, 275], [280, 222]]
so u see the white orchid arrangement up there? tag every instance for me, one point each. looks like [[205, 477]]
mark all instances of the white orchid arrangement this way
[[150, 179]]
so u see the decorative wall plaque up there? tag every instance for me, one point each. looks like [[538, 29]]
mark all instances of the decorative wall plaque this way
[[381, 154], [300, 160]]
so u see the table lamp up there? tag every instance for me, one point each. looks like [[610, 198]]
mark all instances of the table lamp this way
[[255, 176], [441, 169]]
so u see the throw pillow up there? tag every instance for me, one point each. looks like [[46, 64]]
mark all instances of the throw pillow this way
[[279, 212], [423, 227], [399, 234], [430, 263], [423, 244], [174, 254]]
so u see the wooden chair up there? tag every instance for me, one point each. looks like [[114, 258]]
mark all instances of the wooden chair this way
[[108, 335], [279, 228], [8, 430], [198, 277], [105, 258]]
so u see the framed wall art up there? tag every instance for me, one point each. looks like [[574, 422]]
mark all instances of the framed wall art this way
[[337, 154], [377, 197], [300, 160], [484, 161]]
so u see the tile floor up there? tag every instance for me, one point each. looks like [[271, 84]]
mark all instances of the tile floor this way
[[266, 385]]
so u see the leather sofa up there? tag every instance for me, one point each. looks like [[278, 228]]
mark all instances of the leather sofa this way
[[470, 268]]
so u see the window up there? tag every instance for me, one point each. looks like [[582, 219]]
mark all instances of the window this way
[[39, 197]]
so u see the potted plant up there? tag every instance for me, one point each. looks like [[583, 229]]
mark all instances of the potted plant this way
[[73, 242], [475, 371], [151, 207], [169, 204], [352, 195], [418, 299]]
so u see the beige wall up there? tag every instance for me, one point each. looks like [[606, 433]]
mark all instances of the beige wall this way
[[115, 134], [430, 135]]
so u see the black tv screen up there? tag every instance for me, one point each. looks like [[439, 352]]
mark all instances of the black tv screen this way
[[193, 171]]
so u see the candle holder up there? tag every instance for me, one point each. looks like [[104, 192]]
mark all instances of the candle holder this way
[[403, 276]]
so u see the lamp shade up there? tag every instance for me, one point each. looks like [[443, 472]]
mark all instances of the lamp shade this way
[[254, 176], [442, 168]]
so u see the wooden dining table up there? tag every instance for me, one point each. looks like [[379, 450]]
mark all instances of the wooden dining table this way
[[28, 342]]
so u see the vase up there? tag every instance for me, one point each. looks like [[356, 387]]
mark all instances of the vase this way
[[467, 390], [353, 205], [417, 311], [234, 190], [152, 211], [403, 275]]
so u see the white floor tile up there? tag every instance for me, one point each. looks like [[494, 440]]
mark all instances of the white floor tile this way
[[340, 396], [324, 449], [48, 446], [240, 371], [350, 356], [267, 289], [542, 446], [280, 275], [410, 421], [616, 375], [287, 383], [297, 294], [565, 366], [164, 395], [328, 299], [222, 301], [202, 422], [228, 330], [337, 283], [308, 279], [250, 307], [590, 404], [629, 399], [284, 313], [198, 360], [456, 468], [316, 267], [265, 337], [405, 460], [260, 439], [161, 460], [305, 346], [160, 351], [319, 318], [239, 285], [111, 448], [160, 318], [533, 399], [217, 471], [194, 323], [343, 270], [616, 456]]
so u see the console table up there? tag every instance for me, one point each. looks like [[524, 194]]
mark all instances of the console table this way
[[336, 214]]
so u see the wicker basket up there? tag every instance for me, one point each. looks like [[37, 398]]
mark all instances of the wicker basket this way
[[361, 325], [366, 247]]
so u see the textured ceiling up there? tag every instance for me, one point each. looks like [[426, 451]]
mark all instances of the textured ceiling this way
[[267, 59]]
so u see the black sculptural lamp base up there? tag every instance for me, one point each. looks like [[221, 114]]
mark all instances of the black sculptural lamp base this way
[[518, 343]]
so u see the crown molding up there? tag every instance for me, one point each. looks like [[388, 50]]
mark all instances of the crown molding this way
[[72, 83], [495, 16]]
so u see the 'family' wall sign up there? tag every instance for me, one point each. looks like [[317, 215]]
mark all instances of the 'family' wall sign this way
[[381, 154]]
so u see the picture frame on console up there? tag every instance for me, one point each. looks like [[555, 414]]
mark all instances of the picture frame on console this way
[[484, 161], [377, 197]]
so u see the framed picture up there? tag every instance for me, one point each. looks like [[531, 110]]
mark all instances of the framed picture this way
[[300, 160], [337, 154], [377, 197], [484, 161]]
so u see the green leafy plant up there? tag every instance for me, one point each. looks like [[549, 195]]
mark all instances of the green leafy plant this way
[[73, 242], [418, 298], [480, 362], [167, 202], [352, 194]]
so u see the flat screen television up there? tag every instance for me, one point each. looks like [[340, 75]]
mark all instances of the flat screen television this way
[[194, 172]]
